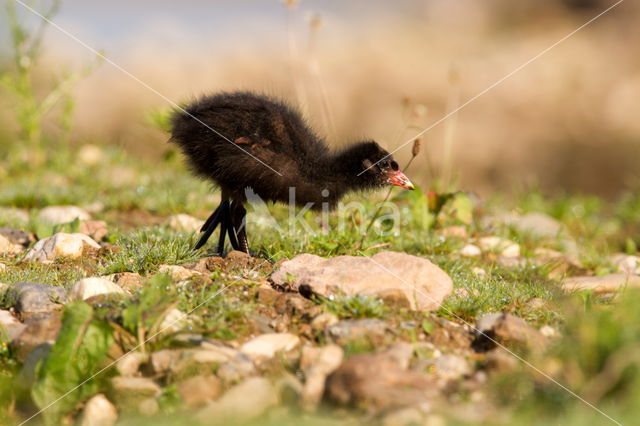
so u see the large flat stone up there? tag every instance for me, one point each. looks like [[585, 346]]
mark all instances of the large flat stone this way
[[387, 275]]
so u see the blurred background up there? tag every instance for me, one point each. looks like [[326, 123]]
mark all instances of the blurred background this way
[[567, 122]]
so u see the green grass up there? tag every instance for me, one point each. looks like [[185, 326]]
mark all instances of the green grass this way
[[596, 331], [145, 250]]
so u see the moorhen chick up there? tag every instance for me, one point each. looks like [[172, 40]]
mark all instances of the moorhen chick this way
[[243, 140]]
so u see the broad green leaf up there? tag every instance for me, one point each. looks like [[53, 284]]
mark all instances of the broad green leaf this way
[[63, 378]]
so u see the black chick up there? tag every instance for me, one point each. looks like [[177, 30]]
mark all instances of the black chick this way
[[243, 140]]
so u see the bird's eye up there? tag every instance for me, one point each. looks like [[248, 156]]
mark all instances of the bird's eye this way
[[394, 166]]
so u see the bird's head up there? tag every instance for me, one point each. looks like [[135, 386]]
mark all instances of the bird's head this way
[[377, 167]]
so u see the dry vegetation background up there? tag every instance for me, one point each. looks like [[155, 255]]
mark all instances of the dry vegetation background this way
[[567, 122]]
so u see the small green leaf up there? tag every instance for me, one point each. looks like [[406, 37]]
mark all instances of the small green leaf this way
[[427, 326], [64, 377]]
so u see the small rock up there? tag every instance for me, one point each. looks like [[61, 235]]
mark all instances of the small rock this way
[[236, 369], [267, 295], [470, 250], [347, 330], [185, 223], [451, 367], [400, 352], [178, 273], [317, 364], [7, 247], [267, 345], [130, 392], [454, 232], [129, 364], [199, 390], [506, 248], [13, 214], [60, 245], [238, 259], [129, 281], [604, 284], [10, 325], [323, 321], [231, 363], [98, 411], [243, 402], [174, 321], [90, 155], [96, 229], [57, 215], [626, 264], [548, 331], [94, 286], [423, 284], [32, 299], [162, 360], [378, 383], [538, 224], [507, 329], [36, 333], [139, 386], [18, 236]]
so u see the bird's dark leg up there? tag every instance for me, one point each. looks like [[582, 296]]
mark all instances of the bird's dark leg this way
[[210, 225], [238, 214]]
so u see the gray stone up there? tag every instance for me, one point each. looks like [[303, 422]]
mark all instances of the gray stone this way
[[422, 284], [35, 298], [17, 236]]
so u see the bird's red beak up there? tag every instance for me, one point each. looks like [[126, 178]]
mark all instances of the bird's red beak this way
[[399, 179]]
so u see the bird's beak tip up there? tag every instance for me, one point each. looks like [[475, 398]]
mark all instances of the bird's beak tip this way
[[401, 180]]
